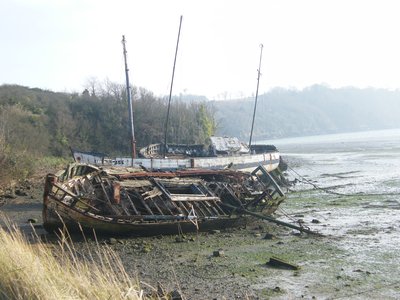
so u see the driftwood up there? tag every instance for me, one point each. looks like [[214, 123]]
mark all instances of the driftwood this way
[[279, 263], [271, 219]]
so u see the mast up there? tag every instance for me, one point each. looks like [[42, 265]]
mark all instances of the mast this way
[[128, 94], [255, 101], [170, 91]]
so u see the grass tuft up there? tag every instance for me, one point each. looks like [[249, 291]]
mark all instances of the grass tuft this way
[[35, 270]]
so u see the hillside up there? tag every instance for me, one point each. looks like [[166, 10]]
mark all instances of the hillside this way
[[35, 124], [315, 110]]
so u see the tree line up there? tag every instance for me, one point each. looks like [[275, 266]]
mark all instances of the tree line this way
[[37, 123], [315, 110]]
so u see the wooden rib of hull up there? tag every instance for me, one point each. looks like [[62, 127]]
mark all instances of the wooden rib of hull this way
[[140, 203], [58, 214]]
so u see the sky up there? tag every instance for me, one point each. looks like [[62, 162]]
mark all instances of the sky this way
[[62, 45]]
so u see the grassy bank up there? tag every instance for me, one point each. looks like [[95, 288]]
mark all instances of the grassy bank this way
[[21, 166], [35, 270]]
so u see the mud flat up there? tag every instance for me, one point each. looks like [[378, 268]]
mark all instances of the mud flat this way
[[348, 192], [358, 257]]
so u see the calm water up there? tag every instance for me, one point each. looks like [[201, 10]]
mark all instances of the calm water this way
[[363, 162]]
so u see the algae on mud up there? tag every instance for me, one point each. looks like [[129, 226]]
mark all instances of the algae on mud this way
[[357, 260]]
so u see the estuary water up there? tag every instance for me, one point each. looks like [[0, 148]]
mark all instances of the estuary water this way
[[349, 190], [363, 162]]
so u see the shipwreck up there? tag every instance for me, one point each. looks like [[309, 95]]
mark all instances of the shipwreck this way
[[168, 189], [136, 202]]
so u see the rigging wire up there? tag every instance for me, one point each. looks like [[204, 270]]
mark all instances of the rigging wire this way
[[297, 221]]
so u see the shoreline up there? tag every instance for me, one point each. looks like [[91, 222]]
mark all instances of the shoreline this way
[[356, 259]]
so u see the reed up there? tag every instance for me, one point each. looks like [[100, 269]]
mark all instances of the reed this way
[[36, 270]]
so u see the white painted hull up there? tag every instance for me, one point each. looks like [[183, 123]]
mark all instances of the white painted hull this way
[[245, 162]]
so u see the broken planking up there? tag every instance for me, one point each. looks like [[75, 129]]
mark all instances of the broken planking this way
[[273, 220], [129, 201]]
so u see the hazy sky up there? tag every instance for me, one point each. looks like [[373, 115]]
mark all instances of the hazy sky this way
[[60, 44]]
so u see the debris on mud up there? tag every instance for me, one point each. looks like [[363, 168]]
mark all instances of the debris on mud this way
[[279, 263]]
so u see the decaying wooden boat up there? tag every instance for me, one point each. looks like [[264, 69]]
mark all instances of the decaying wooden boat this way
[[127, 201]]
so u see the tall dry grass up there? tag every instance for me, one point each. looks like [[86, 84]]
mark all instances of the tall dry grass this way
[[41, 271]]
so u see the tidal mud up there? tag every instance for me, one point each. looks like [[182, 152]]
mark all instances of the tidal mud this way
[[348, 191], [357, 258]]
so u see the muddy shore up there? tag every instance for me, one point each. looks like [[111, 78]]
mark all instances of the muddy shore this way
[[356, 259]]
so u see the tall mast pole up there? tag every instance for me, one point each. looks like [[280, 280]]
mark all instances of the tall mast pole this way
[[170, 91], [255, 102], [128, 94]]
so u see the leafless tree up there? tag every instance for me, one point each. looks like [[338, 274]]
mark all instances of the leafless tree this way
[[92, 85]]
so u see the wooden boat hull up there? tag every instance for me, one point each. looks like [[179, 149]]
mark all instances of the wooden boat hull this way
[[142, 203], [56, 215]]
